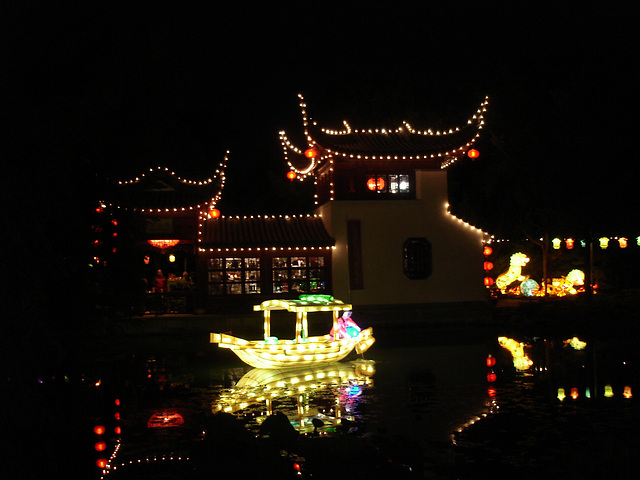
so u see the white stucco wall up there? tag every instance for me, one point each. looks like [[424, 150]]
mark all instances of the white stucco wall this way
[[385, 226]]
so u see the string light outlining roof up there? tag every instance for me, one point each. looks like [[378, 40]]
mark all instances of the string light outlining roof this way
[[161, 190], [436, 149]]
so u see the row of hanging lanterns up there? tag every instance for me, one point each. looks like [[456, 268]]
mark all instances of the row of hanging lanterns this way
[[603, 242]]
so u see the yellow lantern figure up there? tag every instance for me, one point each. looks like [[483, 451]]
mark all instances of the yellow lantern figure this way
[[561, 394], [608, 391], [604, 243], [623, 242], [556, 243]]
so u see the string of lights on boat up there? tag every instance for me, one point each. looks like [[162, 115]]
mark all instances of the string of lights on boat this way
[[317, 155]]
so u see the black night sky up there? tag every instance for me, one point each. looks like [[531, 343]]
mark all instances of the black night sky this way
[[111, 91]]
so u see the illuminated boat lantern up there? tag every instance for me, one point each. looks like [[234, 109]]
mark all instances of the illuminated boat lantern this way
[[271, 352]]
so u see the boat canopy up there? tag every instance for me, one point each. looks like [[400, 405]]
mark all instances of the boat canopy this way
[[306, 303], [303, 305]]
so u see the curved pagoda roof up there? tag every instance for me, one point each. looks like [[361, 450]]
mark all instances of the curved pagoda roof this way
[[424, 148], [160, 190], [283, 231]]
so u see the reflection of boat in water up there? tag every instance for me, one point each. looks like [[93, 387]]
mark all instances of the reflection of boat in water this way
[[272, 352], [262, 388]]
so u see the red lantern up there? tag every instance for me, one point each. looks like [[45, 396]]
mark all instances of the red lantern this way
[[491, 361], [491, 377], [291, 175], [101, 463], [488, 265], [100, 446], [375, 184], [488, 281], [487, 251], [311, 153], [99, 429], [473, 154], [214, 213]]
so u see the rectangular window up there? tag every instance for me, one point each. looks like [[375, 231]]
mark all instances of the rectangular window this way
[[245, 275], [298, 274], [354, 251], [234, 276]]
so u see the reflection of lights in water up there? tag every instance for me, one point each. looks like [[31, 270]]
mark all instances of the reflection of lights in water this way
[[164, 459], [520, 360], [260, 388]]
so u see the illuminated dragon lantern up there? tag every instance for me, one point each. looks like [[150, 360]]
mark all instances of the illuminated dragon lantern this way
[[518, 260]]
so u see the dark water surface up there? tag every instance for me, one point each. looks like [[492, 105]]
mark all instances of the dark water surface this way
[[422, 403]]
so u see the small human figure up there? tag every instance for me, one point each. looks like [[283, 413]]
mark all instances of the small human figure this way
[[346, 327], [159, 282]]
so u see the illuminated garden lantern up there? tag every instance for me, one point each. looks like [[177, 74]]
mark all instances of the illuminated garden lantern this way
[[569, 243], [556, 242], [561, 394], [574, 393], [473, 153], [623, 242], [291, 175], [311, 153], [608, 391], [627, 392], [604, 243]]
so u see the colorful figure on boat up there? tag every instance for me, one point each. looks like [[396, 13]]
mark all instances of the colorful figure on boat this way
[[346, 326]]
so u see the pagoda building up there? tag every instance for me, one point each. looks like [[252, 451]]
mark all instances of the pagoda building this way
[[382, 195], [168, 212]]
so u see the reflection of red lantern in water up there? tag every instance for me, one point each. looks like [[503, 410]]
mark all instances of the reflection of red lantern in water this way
[[491, 377], [491, 361], [164, 419]]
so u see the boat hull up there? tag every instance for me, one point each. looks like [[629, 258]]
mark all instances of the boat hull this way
[[289, 353]]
